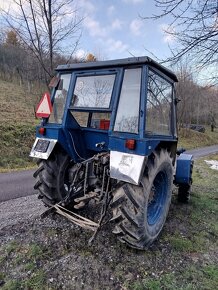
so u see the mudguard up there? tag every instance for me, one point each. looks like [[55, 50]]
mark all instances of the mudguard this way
[[126, 167], [184, 166]]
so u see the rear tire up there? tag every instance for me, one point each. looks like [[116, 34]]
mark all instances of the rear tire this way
[[184, 193], [184, 190], [139, 212], [52, 176]]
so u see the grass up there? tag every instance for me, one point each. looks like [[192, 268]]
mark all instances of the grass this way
[[26, 258], [190, 139], [191, 278], [35, 281], [17, 125], [15, 146], [17, 103]]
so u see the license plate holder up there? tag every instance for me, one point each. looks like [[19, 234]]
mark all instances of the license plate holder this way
[[42, 145]]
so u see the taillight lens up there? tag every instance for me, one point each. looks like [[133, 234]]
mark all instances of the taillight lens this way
[[42, 130], [130, 144]]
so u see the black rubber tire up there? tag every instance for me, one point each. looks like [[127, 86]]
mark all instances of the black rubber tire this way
[[51, 177], [184, 190], [131, 203], [184, 193]]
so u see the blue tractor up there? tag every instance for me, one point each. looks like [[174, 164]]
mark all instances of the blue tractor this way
[[112, 137]]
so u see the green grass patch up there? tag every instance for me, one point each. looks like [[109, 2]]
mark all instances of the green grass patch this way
[[36, 282], [27, 258], [12, 285], [18, 102], [16, 143], [182, 244], [190, 278], [17, 124], [190, 139]]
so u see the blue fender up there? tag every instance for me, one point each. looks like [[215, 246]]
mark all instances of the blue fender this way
[[184, 164]]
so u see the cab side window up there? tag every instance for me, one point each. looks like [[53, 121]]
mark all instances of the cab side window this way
[[159, 103]]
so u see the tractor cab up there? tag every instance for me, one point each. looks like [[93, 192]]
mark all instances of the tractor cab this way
[[125, 106]]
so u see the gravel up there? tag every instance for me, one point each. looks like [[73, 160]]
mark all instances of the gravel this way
[[68, 262], [20, 209]]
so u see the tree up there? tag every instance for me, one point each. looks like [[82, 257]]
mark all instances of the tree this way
[[194, 25], [11, 38], [46, 27], [199, 104], [90, 57]]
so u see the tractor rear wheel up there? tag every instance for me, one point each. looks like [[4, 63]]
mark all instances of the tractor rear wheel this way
[[53, 177], [139, 212]]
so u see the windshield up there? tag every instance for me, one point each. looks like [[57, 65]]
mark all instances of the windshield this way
[[60, 99], [93, 91]]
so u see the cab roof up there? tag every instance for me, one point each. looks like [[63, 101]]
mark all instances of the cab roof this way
[[118, 63]]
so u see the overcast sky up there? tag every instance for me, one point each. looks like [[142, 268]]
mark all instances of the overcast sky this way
[[114, 29]]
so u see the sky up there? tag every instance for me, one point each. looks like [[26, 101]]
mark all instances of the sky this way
[[114, 29]]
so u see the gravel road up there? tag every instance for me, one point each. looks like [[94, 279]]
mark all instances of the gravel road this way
[[201, 152]]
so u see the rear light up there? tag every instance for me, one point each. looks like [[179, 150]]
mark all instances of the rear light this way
[[104, 124], [130, 144], [42, 130]]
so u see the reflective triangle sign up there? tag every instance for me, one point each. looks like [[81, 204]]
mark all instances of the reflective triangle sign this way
[[44, 107]]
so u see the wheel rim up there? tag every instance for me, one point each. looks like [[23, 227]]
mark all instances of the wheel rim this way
[[157, 198]]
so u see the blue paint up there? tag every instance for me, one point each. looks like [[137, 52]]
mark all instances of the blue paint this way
[[183, 169], [158, 199], [79, 142]]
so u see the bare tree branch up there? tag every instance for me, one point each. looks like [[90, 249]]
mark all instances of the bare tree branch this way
[[194, 27], [47, 27]]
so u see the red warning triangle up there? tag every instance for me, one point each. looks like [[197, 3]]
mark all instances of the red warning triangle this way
[[44, 107]]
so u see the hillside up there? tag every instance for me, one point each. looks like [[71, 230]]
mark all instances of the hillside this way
[[17, 104], [17, 125], [190, 139]]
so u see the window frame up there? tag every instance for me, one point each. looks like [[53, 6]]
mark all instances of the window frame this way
[[94, 73], [140, 100], [172, 105], [55, 89]]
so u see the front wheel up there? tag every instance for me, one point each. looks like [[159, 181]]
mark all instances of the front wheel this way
[[139, 212]]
